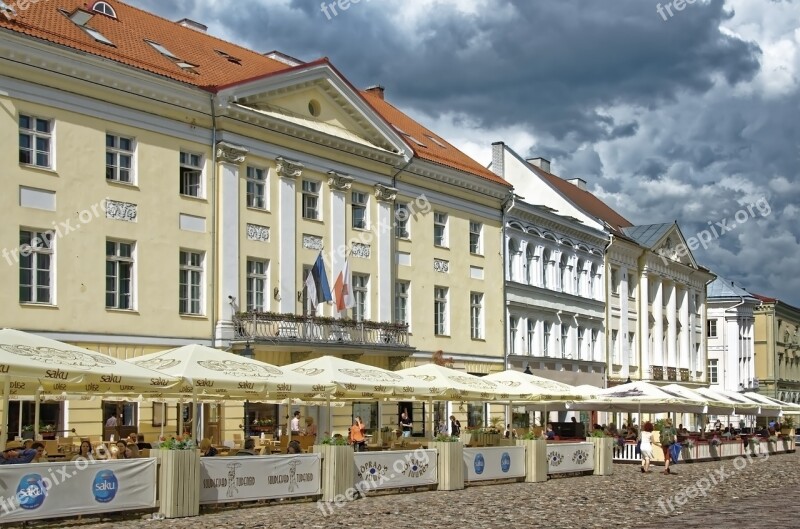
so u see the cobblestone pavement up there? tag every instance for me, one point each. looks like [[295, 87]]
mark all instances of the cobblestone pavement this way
[[742, 491]]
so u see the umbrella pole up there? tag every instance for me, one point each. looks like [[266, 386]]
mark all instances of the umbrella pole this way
[[163, 417], [330, 415], [180, 417], [195, 416], [432, 418], [4, 412], [36, 407]]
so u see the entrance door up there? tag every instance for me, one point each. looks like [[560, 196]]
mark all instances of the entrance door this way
[[121, 419], [212, 423]]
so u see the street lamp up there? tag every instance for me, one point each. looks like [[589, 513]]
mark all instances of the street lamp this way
[[248, 353]]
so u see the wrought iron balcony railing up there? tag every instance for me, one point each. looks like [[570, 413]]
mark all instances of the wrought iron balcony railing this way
[[684, 374], [657, 372], [291, 328], [672, 374]]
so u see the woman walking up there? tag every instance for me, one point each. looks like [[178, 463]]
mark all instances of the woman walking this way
[[669, 436], [646, 446]]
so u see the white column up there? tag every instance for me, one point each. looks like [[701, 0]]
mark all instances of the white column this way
[[701, 357], [658, 325], [644, 323], [733, 376], [288, 172], [623, 323], [672, 327], [228, 273], [683, 303], [386, 197], [691, 330], [339, 184]]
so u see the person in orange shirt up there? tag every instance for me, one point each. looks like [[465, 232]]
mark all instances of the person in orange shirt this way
[[357, 438]]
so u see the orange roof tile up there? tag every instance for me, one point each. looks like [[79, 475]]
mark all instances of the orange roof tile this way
[[586, 201], [128, 32], [435, 149]]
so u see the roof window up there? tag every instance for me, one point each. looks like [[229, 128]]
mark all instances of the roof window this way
[[99, 37], [437, 142], [162, 50], [231, 58], [104, 9]]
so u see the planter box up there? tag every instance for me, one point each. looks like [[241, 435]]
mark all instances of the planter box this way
[[485, 439], [603, 455], [178, 482], [338, 470], [535, 460], [450, 464], [466, 437]]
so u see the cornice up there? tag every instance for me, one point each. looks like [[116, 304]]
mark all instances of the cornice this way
[[555, 222], [461, 179]]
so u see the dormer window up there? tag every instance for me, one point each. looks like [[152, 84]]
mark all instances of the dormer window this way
[[104, 9], [99, 37], [230, 57], [81, 17], [162, 50]]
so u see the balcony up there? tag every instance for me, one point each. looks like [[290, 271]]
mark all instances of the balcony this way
[[672, 374], [294, 329], [684, 375], [657, 372]]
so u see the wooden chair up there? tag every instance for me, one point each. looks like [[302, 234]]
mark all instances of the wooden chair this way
[[51, 447], [238, 442]]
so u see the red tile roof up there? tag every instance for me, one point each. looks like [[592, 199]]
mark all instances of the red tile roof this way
[[236, 64], [586, 201], [442, 153], [765, 299]]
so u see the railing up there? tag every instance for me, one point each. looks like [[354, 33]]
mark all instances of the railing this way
[[684, 375], [672, 374], [289, 328], [657, 372]]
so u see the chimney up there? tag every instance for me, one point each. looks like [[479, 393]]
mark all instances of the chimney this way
[[540, 162], [377, 89], [191, 24], [580, 183], [498, 163]]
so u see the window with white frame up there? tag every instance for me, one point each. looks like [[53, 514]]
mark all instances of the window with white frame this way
[[591, 290], [531, 336], [513, 329], [35, 141], [713, 371], [361, 297], [475, 238], [631, 285], [614, 348], [257, 281], [359, 210], [476, 315], [565, 273], [711, 328], [581, 344], [578, 276], [191, 174], [564, 339], [440, 229], [440, 311], [402, 212], [36, 266], [191, 283], [310, 200], [547, 331], [119, 275], [614, 281], [256, 187], [631, 348], [530, 265], [593, 345], [546, 257], [401, 306], [119, 159]]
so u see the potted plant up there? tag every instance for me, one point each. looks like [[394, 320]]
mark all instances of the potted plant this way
[[535, 456], [27, 431], [179, 478], [338, 467], [787, 427], [449, 462]]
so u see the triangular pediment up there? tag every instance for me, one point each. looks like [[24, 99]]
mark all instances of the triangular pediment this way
[[667, 241], [315, 98]]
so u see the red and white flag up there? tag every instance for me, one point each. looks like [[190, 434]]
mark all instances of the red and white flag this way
[[343, 290]]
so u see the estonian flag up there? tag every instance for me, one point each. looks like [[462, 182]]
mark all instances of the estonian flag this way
[[317, 284]]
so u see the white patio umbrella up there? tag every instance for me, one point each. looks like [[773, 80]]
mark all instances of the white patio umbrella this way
[[536, 388], [741, 405], [31, 364], [639, 396], [770, 403], [713, 406]]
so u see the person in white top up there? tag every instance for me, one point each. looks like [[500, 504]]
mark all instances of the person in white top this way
[[294, 426], [646, 445]]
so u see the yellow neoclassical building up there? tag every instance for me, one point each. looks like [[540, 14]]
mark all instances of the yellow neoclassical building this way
[[174, 188], [777, 349]]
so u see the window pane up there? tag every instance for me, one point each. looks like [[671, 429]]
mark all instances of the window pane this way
[[24, 122]]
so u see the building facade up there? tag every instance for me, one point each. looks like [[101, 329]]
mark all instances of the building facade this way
[[777, 349], [173, 188]]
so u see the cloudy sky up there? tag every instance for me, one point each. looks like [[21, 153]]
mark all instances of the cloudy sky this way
[[690, 117]]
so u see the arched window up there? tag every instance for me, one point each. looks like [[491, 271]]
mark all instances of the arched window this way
[[564, 273], [579, 273], [530, 265], [105, 9], [592, 273], [545, 268], [513, 259]]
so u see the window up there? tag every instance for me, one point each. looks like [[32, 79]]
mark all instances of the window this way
[[191, 282], [476, 315], [578, 279], [257, 285], [531, 336], [711, 328], [565, 273], [631, 348], [359, 210], [256, 188], [191, 174], [614, 349], [35, 266], [631, 286], [35, 141], [581, 344], [361, 295], [163, 50], [530, 265], [119, 275], [401, 215], [310, 200], [475, 238], [104, 8], [547, 326], [593, 346], [564, 339], [119, 159], [440, 311], [592, 273], [513, 326], [96, 35], [545, 268], [614, 281], [440, 229], [712, 371], [475, 415], [401, 291]]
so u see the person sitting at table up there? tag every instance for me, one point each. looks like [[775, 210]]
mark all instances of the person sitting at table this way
[[311, 428], [121, 450], [294, 448], [510, 433], [249, 448], [549, 434], [84, 452], [16, 454], [41, 456], [27, 444], [206, 450], [631, 435], [132, 451]]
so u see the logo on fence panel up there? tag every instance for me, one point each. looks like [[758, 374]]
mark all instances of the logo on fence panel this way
[[105, 486], [505, 462], [480, 464], [31, 492]]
